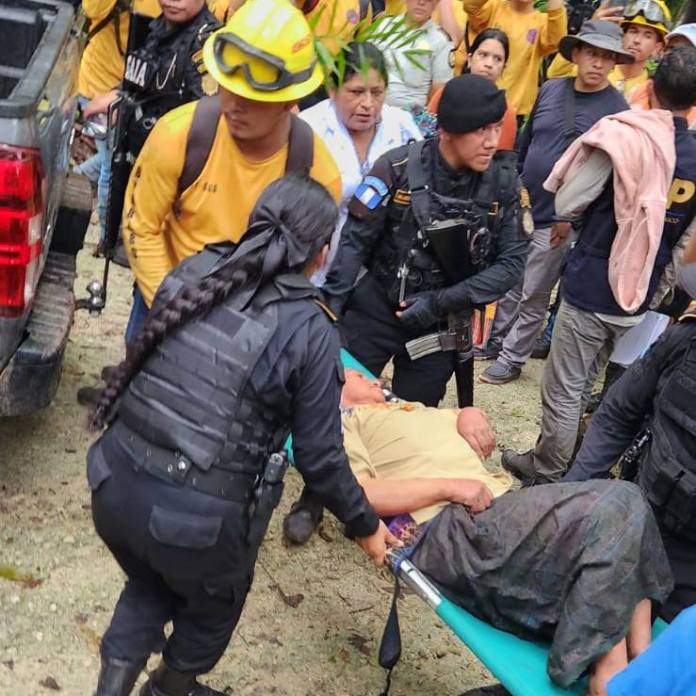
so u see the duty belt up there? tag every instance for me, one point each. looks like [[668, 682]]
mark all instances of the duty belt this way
[[176, 469]]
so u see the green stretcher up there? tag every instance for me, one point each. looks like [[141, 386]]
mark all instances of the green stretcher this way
[[519, 665]]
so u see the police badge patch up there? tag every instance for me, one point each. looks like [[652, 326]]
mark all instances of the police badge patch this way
[[371, 192]]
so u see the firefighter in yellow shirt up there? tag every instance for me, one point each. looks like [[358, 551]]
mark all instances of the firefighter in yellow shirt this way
[[262, 68], [101, 67], [645, 24], [532, 35]]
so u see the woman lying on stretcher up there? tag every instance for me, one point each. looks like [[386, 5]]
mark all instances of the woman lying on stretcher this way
[[575, 564]]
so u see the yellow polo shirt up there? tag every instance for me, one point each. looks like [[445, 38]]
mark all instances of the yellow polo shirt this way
[[404, 440], [101, 67], [214, 208]]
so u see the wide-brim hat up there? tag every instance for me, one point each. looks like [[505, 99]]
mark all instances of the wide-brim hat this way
[[606, 35]]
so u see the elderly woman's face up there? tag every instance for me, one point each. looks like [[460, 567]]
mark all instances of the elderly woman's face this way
[[359, 100]]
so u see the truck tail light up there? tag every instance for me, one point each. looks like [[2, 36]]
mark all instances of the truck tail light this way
[[21, 225]]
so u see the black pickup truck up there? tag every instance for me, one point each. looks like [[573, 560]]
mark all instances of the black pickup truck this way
[[44, 211]]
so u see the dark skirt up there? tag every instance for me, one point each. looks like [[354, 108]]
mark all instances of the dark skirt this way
[[565, 563]]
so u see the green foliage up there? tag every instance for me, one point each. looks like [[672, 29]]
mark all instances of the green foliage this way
[[12, 574], [385, 31]]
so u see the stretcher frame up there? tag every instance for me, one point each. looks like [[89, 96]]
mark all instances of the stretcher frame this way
[[519, 665]]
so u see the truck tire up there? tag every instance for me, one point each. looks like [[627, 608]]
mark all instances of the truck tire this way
[[73, 216]]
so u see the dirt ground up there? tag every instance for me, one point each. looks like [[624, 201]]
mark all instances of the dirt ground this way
[[313, 620]]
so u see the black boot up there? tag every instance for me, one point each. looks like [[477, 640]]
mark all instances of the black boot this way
[[304, 517], [117, 677], [165, 681]]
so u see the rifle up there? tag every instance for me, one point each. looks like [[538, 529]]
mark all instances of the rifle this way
[[119, 116], [461, 247], [456, 337]]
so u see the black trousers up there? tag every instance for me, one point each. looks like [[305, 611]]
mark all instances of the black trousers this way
[[681, 554], [185, 557], [375, 335]]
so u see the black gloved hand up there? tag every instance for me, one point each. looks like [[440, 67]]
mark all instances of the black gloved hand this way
[[419, 311]]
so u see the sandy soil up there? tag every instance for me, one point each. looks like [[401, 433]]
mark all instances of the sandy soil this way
[[314, 617]]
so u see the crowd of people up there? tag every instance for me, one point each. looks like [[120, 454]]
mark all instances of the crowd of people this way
[[289, 178]]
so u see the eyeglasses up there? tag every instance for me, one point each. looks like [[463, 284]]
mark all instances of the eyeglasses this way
[[263, 71], [649, 9]]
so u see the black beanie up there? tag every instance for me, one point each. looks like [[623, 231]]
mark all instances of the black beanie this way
[[469, 102]]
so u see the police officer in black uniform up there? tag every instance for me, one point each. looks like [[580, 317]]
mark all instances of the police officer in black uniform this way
[[649, 417], [163, 71], [237, 350], [167, 69], [408, 290], [435, 230]]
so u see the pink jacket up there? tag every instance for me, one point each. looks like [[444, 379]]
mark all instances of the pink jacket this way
[[640, 145]]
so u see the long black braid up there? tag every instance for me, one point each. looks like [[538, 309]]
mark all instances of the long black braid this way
[[292, 221]]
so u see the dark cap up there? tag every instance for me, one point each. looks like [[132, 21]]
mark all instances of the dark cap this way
[[599, 34], [469, 102]]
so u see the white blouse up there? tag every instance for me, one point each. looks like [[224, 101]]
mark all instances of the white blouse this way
[[396, 128]]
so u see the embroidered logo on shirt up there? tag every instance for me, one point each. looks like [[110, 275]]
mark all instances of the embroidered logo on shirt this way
[[532, 35], [402, 197]]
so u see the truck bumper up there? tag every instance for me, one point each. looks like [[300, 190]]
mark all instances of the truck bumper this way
[[30, 379]]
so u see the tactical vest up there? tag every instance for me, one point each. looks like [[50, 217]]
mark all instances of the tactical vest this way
[[667, 474], [404, 262], [192, 398], [156, 77]]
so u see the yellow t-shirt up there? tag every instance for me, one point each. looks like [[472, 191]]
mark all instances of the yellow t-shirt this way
[[532, 36], [560, 67], [214, 208], [394, 7], [332, 26], [101, 67], [404, 440], [345, 16], [626, 85], [219, 9]]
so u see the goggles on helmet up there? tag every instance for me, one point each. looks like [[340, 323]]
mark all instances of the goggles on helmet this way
[[651, 10], [263, 71]]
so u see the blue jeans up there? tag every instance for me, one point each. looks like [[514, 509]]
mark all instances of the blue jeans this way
[[138, 315], [98, 169], [91, 168]]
